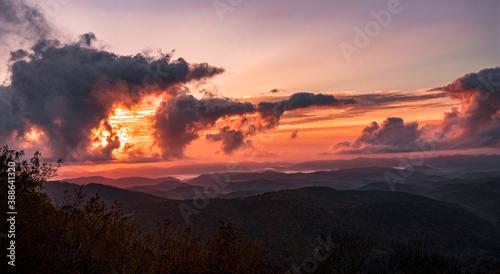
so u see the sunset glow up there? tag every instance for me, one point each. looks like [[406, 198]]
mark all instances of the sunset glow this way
[[228, 84], [250, 136]]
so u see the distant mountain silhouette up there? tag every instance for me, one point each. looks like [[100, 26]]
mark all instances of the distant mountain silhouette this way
[[449, 205], [121, 182], [160, 187], [109, 194], [288, 221], [384, 186], [456, 164], [242, 194], [481, 198]]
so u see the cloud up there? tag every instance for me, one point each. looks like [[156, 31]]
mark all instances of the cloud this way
[[271, 112], [435, 89], [367, 104], [274, 90], [392, 136], [67, 90], [20, 21], [384, 98], [475, 124], [179, 120], [231, 139], [87, 39], [340, 146], [18, 54], [8, 109], [20, 26]]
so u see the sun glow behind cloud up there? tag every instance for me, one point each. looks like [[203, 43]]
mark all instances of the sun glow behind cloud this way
[[132, 126]]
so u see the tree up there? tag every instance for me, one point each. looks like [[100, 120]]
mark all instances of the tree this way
[[35, 213], [83, 235]]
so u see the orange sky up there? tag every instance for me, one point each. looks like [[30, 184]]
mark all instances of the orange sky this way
[[292, 46], [313, 139]]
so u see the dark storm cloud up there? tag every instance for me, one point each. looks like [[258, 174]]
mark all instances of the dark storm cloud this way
[[272, 111], [69, 89], [8, 109], [18, 54], [178, 121], [87, 39], [203, 70], [231, 139]]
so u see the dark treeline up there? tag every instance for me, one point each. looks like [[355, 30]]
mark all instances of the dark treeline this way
[[83, 235]]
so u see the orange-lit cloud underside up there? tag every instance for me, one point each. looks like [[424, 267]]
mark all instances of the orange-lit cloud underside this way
[[316, 129], [313, 139]]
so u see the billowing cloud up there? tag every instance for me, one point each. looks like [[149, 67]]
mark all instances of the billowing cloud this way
[[479, 117], [475, 124], [179, 120], [272, 111], [66, 90], [392, 136], [63, 95], [20, 21], [231, 139], [8, 108], [368, 105], [20, 26]]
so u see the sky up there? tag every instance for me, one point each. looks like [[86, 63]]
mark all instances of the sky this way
[[106, 84]]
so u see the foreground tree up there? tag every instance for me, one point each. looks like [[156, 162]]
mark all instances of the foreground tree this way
[[35, 213], [83, 235]]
